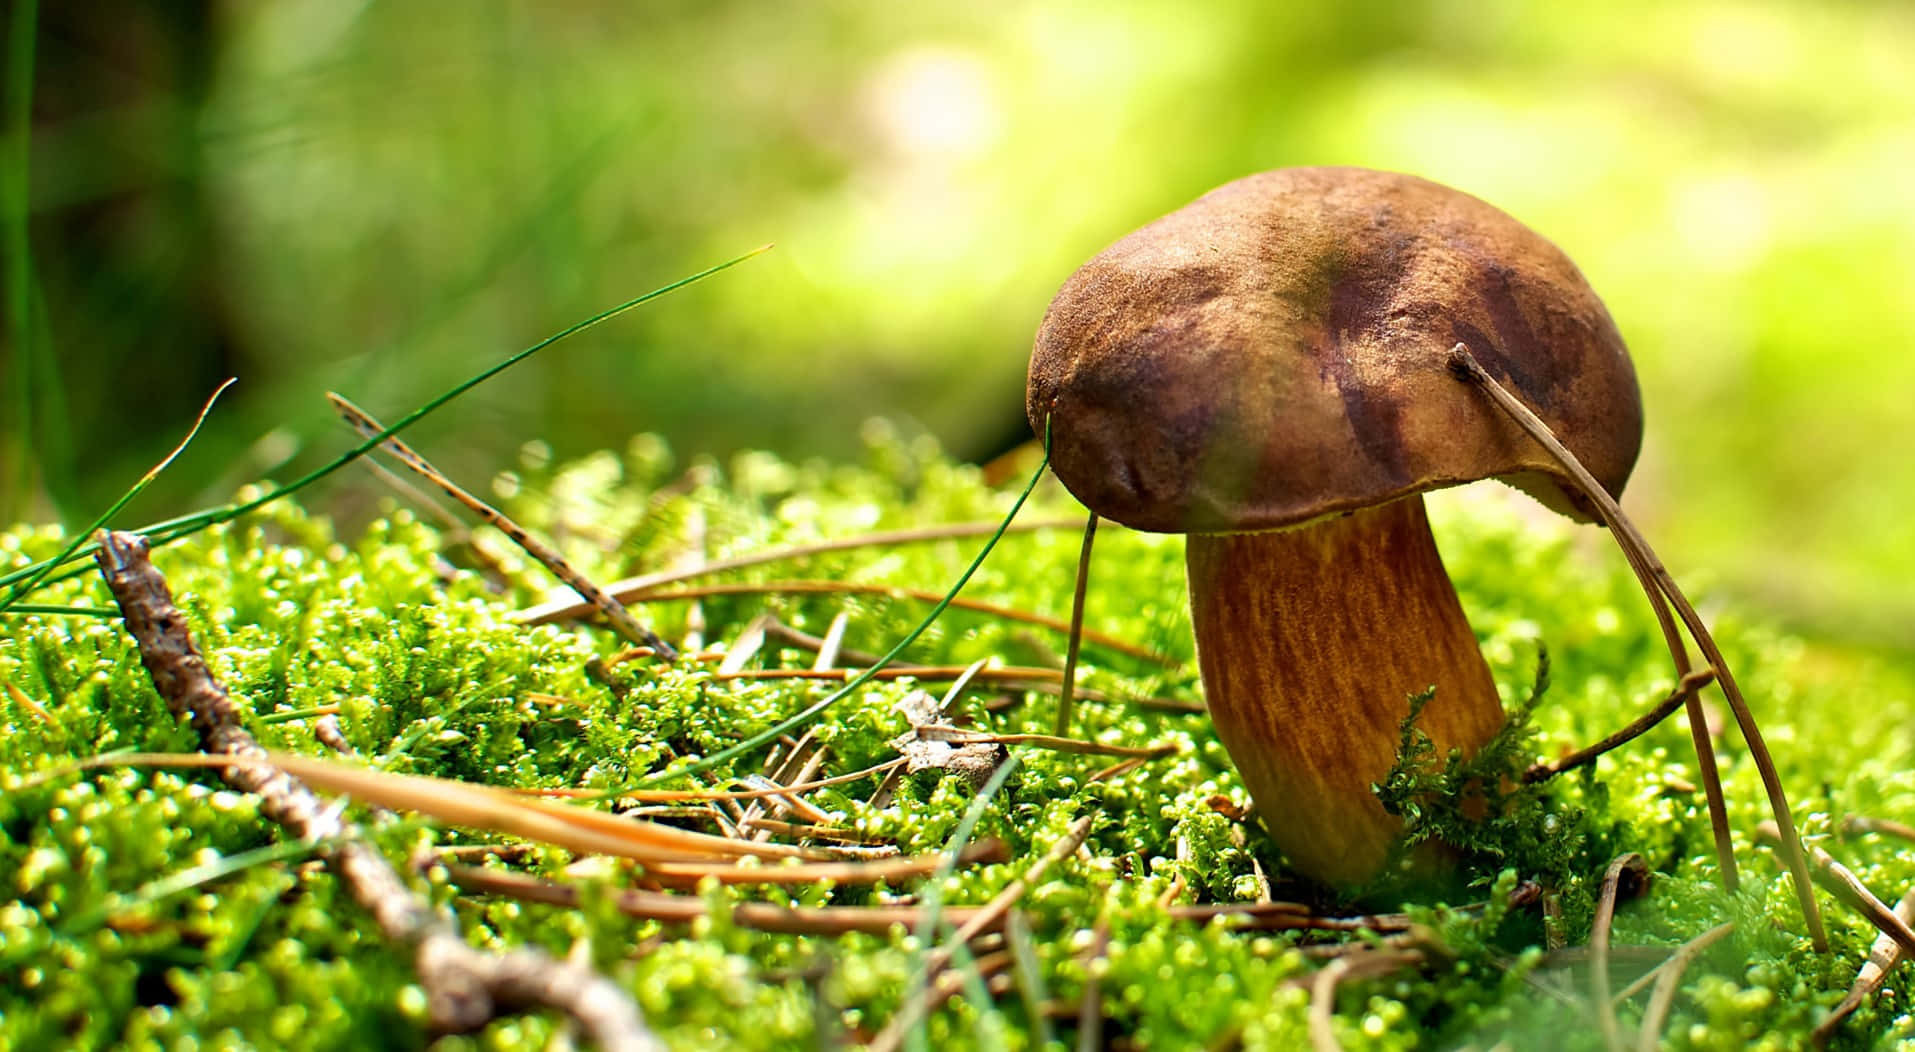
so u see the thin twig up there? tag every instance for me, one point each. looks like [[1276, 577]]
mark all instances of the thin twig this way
[[978, 606], [1009, 674], [668, 908], [1855, 825], [1656, 578], [1668, 979], [633, 587], [466, 988], [1836, 879], [1046, 741], [1635, 550], [621, 618], [812, 873], [1685, 690], [1883, 956], [1076, 628], [1015, 677], [1628, 875], [682, 795]]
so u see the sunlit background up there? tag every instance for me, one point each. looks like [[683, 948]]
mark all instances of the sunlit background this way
[[384, 198]]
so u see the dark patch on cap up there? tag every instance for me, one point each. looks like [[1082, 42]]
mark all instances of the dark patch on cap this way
[[1359, 309]]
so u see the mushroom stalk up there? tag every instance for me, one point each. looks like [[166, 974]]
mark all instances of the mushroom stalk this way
[[1311, 640]]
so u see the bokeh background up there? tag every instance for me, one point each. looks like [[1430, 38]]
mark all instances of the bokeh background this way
[[382, 198]]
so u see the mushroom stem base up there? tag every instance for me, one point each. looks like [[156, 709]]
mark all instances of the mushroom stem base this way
[[1311, 641]]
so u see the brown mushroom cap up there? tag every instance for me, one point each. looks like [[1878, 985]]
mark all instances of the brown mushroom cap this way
[[1276, 351]]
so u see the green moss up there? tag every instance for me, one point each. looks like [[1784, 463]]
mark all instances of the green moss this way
[[414, 644]]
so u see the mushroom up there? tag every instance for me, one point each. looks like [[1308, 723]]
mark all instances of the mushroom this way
[[1267, 370]]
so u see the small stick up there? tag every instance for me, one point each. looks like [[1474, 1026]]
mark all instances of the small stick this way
[[1008, 673], [1836, 879], [1628, 875], [980, 853], [465, 987], [979, 606], [21, 699], [878, 920], [1883, 956], [784, 633], [1635, 550], [1685, 689], [1656, 578], [1120, 767], [1046, 741], [668, 796], [1669, 977], [631, 587], [1077, 628], [621, 618], [1855, 825]]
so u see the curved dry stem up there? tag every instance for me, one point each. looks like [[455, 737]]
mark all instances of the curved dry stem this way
[[1656, 579], [1627, 874], [1064, 695], [1635, 550], [1668, 978], [1684, 693]]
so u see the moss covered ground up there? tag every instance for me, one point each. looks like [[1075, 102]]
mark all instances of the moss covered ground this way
[[119, 927]]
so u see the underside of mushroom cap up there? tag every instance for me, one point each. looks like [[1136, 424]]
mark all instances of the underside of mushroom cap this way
[[1277, 351]]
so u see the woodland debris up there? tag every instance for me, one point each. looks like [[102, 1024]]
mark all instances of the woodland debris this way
[[466, 988]]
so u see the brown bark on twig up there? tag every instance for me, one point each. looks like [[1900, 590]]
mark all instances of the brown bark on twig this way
[[466, 988], [1684, 692]]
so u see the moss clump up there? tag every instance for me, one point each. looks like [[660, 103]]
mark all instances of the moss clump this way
[[412, 644]]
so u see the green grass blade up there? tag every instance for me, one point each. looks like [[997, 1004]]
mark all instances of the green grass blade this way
[[188, 879], [125, 498], [24, 609], [172, 529]]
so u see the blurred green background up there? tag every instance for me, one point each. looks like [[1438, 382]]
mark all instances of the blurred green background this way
[[385, 197]]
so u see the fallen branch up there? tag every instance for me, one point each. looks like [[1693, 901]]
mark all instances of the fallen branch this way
[[465, 988]]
